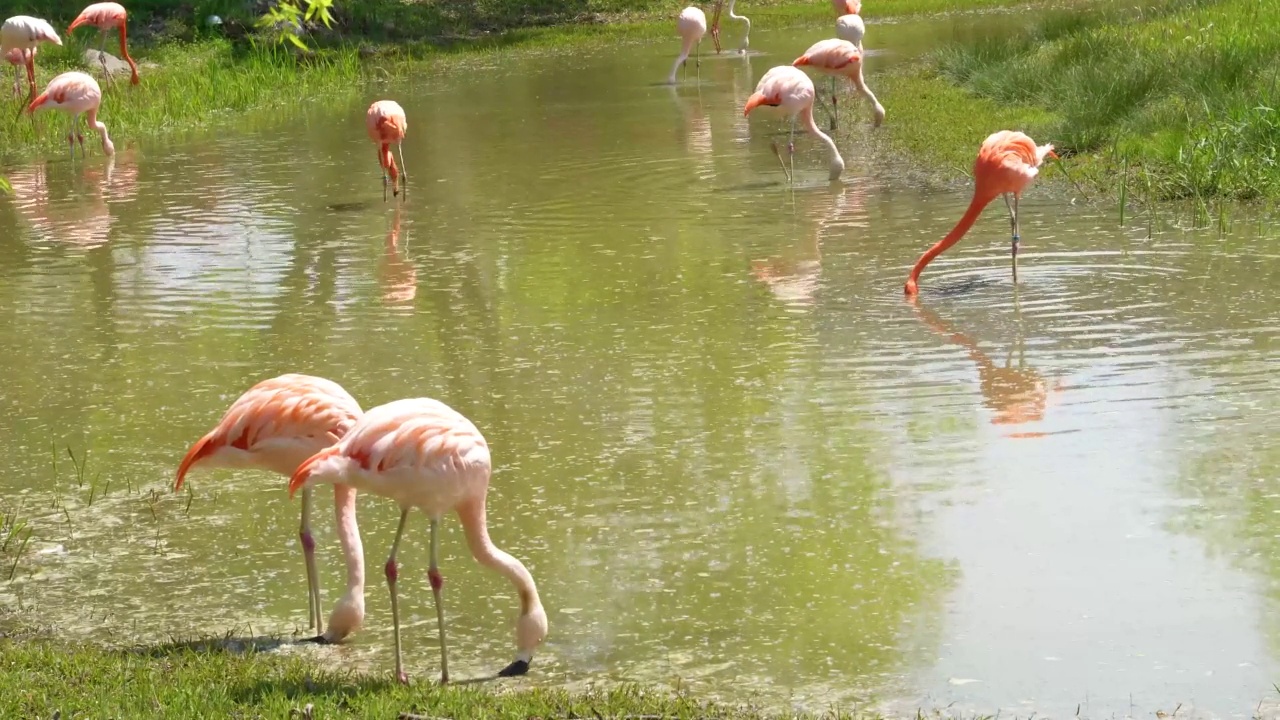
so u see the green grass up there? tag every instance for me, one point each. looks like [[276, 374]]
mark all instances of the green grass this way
[[1181, 94]]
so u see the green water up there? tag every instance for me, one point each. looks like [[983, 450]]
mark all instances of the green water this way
[[733, 457]]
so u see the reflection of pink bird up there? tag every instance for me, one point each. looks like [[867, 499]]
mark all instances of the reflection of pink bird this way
[[1007, 164], [692, 25], [104, 16], [400, 277], [276, 425], [75, 93], [841, 58], [22, 32], [791, 90], [386, 124], [422, 453]]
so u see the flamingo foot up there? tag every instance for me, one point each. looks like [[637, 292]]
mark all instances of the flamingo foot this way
[[517, 668], [402, 678]]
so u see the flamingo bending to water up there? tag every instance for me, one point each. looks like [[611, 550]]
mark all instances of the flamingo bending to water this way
[[22, 32], [75, 93], [386, 124], [17, 57], [850, 27], [276, 425], [1007, 164], [840, 58], [715, 26], [692, 25], [423, 454], [104, 16], [789, 89]]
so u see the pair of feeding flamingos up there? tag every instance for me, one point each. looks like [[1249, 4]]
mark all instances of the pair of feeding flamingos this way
[[1007, 162]]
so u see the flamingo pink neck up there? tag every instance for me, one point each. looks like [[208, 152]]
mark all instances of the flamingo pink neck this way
[[980, 201]]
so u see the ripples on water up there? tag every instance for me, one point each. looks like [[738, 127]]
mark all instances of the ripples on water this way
[[730, 451]]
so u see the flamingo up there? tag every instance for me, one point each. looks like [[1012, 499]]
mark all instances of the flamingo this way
[[104, 16], [790, 89], [23, 32], [17, 57], [386, 124], [692, 25], [75, 93], [847, 7], [1007, 164], [422, 453], [850, 27], [275, 425], [840, 58], [715, 26]]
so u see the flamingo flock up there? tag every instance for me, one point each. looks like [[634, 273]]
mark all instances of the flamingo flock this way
[[419, 452]]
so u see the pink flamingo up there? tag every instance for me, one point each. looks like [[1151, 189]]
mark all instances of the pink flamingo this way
[[791, 90], [692, 25], [850, 27], [22, 32], [840, 58], [715, 26], [422, 453], [17, 57], [104, 16], [1007, 163], [276, 425], [847, 7], [75, 93], [386, 124]]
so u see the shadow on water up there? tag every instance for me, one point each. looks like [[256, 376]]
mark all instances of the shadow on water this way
[[227, 644]]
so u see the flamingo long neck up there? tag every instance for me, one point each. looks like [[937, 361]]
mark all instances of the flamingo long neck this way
[[491, 556], [124, 52], [344, 509], [388, 161], [107, 146], [685, 48], [732, 16], [837, 162], [979, 202]]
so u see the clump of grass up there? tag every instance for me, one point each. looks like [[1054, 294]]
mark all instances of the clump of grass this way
[[1185, 89], [15, 533]]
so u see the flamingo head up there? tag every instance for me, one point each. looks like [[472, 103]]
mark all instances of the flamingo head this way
[[346, 618], [757, 99], [531, 630]]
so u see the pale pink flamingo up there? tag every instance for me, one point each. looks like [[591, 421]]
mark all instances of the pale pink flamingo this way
[[715, 26], [276, 425], [692, 25], [840, 58], [850, 27], [75, 93], [1007, 163], [104, 16], [847, 7], [386, 124], [423, 454], [17, 58], [789, 89], [23, 32]]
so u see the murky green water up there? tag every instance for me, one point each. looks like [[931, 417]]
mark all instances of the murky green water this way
[[730, 452]]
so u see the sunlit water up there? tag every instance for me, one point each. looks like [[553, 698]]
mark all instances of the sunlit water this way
[[733, 456]]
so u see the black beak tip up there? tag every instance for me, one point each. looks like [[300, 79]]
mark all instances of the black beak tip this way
[[319, 640], [519, 667]]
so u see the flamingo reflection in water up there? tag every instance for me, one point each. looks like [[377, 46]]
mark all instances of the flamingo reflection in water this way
[[793, 276], [399, 276], [1015, 394], [58, 209]]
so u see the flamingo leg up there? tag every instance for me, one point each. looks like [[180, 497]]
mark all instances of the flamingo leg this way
[[791, 146], [395, 606], [71, 136], [102, 53], [776, 153], [404, 176], [309, 556], [437, 585], [17, 81], [1013, 227], [383, 169]]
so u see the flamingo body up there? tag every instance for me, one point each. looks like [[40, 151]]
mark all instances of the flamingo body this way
[[275, 426], [791, 91], [423, 454], [75, 93], [385, 122], [850, 27], [691, 25], [23, 32], [107, 16], [847, 7], [841, 58], [17, 57], [1007, 164]]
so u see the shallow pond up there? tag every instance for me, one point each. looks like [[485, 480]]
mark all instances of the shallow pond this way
[[733, 456]]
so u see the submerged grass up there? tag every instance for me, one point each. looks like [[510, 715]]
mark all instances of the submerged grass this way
[[1177, 94]]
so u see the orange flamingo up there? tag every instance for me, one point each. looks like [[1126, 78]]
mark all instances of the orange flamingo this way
[[1007, 164], [386, 124], [840, 58], [75, 93], [276, 425], [422, 453], [23, 32], [104, 16], [692, 25], [847, 7], [791, 90]]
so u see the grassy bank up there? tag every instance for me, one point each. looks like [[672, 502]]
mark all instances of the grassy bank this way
[[1168, 99]]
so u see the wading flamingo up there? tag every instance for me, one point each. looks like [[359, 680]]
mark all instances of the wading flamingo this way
[[692, 25], [847, 7], [850, 27], [715, 26], [423, 454], [17, 58], [789, 89], [75, 93], [104, 16], [1007, 163], [23, 32], [840, 58], [276, 425], [386, 124]]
